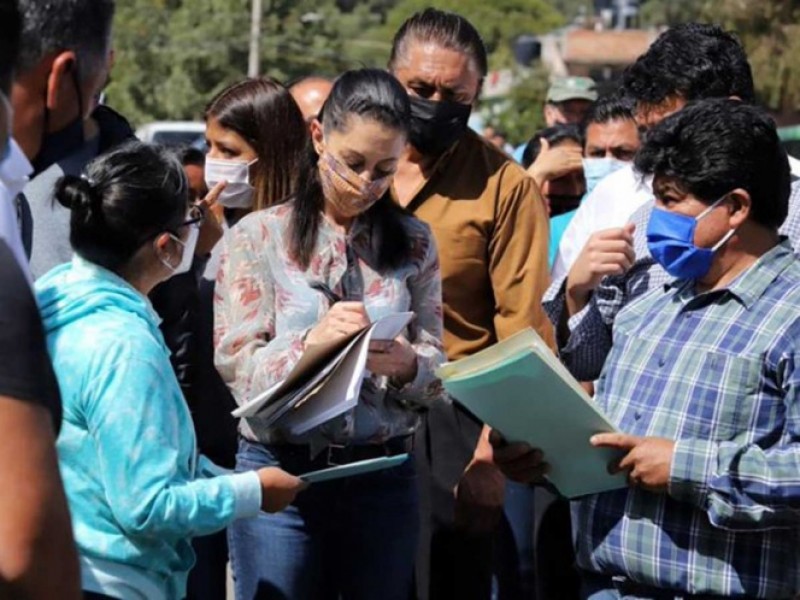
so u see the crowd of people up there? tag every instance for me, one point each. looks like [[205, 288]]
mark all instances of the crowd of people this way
[[647, 234]]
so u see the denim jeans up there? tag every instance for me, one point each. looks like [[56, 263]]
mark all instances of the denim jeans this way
[[514, 568], [352, 538]]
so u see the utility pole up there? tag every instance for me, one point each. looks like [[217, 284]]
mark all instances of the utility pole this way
[[255, 38]]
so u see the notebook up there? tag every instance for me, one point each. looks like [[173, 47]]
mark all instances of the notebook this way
[[324, 384], [356, 468]]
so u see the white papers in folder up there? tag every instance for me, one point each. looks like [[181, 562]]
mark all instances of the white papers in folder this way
[[326, 388]]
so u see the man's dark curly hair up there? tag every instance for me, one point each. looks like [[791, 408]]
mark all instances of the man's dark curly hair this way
[[692, 61], [712, 147]]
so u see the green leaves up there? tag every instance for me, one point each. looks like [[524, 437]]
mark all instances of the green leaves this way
[[768, 29], [172, 56]]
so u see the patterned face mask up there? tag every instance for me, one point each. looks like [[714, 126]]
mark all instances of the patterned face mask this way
[[350, 194]]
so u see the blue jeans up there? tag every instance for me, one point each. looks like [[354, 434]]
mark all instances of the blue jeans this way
[[353, 538], [514, 567]]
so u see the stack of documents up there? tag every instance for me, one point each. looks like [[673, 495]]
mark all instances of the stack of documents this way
[[521, 389], [324, 384]]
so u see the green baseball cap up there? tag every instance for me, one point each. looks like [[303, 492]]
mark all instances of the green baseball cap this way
[[572, 88]]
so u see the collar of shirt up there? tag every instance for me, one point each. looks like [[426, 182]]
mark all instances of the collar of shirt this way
[[16, 169], [748, 287], [330, 262], [439, 166]]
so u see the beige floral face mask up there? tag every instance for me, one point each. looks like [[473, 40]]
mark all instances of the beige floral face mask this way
[[350, 194]]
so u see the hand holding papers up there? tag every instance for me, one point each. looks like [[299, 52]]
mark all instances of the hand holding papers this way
[[325, 383], [521, 389]]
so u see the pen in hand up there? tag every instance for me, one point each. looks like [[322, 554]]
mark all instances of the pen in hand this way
[[326, 291]]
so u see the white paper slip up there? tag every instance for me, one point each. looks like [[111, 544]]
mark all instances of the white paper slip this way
[[256, 404], [339, 394], [391, 326], [356, 468]]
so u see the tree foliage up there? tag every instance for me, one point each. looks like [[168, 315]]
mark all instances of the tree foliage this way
[[769, 30], [521, 114], [172, 56]]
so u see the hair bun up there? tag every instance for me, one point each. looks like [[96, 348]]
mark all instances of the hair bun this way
[[77, 193]]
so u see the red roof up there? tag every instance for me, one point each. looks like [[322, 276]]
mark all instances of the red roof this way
[[610, 47]]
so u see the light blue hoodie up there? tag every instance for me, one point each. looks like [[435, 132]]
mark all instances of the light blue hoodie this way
[[136, 488]]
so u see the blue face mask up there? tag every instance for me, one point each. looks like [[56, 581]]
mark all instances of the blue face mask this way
[[670, 239], [595, 169]]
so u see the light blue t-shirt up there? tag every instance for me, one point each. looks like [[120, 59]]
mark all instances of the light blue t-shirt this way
[[558, 225]]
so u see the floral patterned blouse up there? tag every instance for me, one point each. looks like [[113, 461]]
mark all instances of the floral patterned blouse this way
[[264, 306]]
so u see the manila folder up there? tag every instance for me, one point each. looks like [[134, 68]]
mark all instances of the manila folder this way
[[521, 389]]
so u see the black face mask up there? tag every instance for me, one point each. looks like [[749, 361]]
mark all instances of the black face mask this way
[[59, 144], [435, 126], [563, 203]]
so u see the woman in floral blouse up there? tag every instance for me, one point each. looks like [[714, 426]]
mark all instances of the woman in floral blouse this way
[[355, 537]]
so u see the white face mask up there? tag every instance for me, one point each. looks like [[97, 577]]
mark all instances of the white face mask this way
[[239, 192], [187, 256]]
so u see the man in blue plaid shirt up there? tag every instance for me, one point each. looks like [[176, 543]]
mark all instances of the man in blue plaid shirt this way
[[704, 377], [691, 61]]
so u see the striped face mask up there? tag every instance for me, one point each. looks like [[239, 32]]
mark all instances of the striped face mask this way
[[349, 193]]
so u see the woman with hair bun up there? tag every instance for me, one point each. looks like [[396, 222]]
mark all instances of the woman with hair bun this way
[[137, 489]]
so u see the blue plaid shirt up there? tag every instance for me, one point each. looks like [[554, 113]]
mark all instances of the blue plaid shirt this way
[[585, 350], [718, 372]]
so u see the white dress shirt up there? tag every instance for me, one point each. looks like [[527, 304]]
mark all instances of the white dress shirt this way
[[15, 172], [610, 204]]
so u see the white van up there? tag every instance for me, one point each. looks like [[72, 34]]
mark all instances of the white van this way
[[172, 133]]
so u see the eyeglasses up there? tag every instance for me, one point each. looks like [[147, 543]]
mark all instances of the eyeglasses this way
[[196, 216]]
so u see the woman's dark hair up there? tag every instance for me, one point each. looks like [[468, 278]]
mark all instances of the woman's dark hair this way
[[264, 114], [124, 198], [554, 136], [445, 29], [371, 94], [712, 147]]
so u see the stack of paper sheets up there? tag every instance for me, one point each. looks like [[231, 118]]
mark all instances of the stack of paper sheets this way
[[324, 384], [521, 389]]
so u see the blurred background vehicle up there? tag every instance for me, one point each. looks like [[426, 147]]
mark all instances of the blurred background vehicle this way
[[173, 133]]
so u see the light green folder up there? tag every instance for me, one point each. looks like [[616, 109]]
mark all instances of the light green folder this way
[[519, 388]]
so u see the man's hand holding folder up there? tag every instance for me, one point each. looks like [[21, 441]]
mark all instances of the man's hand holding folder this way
[[518, 462], [519, 388], [647, 463]]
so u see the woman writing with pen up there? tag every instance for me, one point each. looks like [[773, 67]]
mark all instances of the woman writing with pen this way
[[340, 254]]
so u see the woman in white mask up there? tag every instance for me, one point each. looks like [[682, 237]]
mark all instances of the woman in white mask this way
[[255, 134], [137, 489]]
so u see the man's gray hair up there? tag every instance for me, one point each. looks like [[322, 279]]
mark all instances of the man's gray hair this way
[[82, 26]]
